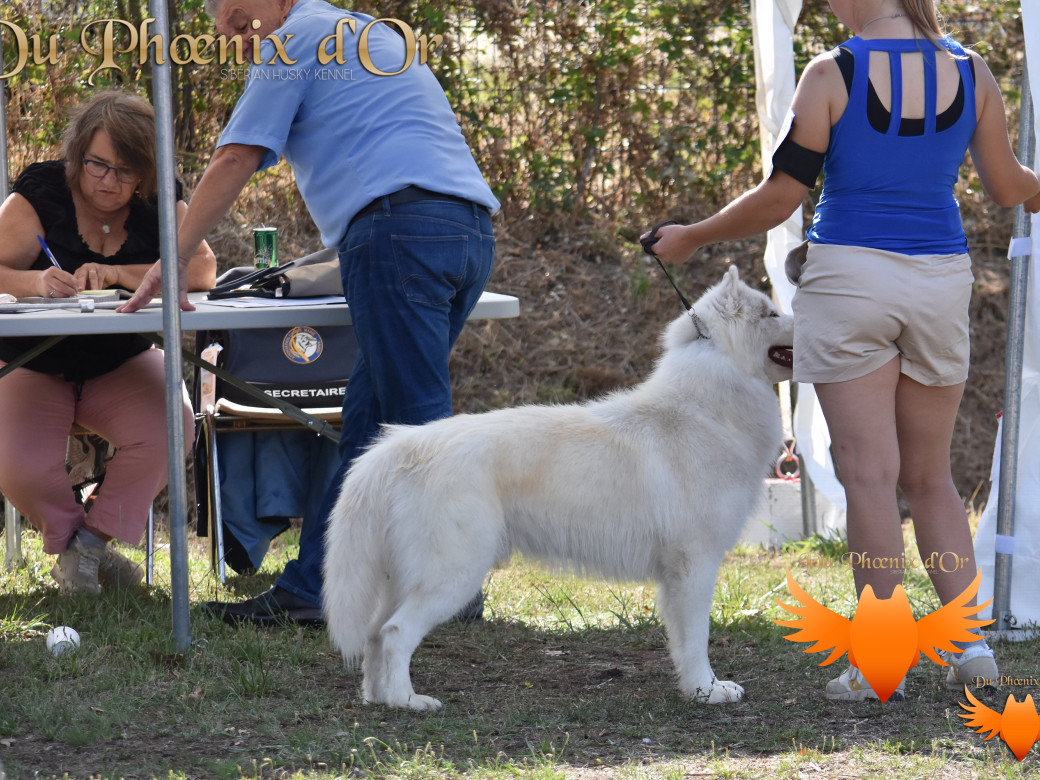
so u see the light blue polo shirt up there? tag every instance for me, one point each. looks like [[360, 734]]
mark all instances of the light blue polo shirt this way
[[351, 135]]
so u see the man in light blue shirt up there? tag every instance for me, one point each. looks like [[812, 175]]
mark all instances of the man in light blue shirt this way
[[388, 178], [350, 135]]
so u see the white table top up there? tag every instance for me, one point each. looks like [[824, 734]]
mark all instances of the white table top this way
[[209, 316]]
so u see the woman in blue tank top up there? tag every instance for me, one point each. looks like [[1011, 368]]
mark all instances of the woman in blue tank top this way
[[881, 313]]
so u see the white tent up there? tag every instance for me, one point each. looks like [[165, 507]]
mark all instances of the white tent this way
[[1017, 599]]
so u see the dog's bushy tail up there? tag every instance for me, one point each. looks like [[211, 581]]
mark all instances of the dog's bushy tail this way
[[355, 572]]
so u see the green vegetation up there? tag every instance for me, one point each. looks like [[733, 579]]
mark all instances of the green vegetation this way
[[610, 109]]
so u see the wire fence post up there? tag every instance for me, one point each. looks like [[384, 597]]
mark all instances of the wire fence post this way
[[1004, 546]]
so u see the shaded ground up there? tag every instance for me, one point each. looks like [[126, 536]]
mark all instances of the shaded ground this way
[[587, 703]]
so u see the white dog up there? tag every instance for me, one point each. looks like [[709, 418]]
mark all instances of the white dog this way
[[654, 482]]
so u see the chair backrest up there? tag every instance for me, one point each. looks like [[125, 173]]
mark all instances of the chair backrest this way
[[307, 366]]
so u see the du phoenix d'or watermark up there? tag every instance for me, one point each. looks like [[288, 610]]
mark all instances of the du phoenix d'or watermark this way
[[106, 39], [940, 561], [884, 641]]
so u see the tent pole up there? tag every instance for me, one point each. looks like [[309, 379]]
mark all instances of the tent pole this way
[[1013, 386], [177, 488]]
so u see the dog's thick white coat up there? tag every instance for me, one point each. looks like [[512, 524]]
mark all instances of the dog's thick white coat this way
[[654, 482]]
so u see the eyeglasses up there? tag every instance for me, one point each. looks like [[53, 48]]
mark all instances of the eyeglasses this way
[[99, 170]]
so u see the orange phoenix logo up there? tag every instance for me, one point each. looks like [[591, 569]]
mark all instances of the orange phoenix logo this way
[[1018, 725], [883, 640]]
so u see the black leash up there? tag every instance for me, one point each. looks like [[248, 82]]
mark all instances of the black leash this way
[[648, 247]]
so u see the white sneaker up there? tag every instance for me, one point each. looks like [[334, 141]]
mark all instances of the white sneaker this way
[[851, 685], [77, 568], [974, 667]]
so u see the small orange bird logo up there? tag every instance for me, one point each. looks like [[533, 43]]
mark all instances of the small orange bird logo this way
[[883, 640], [1018, 725]]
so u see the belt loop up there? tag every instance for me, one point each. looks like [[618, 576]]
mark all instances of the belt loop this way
[[385, 203]]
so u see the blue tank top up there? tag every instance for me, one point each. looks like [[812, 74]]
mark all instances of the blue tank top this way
[[890, 191]]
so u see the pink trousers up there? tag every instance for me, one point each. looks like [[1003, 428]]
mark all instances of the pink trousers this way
[[126, 407]]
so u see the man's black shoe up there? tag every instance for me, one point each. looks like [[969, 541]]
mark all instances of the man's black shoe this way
[[271, 607], [473, 611]]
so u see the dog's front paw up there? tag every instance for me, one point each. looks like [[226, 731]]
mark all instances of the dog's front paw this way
[[718, 692], [423, 703], [414, 701]]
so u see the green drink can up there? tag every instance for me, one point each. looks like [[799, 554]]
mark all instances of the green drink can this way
[[265, 247]]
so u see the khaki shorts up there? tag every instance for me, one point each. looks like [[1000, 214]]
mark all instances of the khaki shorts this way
[[856, 308]]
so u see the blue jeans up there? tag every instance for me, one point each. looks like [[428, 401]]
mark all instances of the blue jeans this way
[[411, 275]]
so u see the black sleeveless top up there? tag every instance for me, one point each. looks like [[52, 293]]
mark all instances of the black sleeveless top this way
[[79, 358]]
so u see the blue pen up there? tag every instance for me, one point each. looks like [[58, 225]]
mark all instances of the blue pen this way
[[49, 253]]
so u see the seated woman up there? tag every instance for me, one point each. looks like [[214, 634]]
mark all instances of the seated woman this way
[[97, 210]]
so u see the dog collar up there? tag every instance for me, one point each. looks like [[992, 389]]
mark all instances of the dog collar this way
[[698, 323]]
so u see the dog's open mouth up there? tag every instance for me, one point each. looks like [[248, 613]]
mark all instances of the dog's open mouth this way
[[782, 356]]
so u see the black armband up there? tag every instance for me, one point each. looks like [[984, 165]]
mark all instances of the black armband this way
[[801, 164]]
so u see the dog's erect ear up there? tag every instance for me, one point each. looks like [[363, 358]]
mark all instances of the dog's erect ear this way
[[731, 283], [730, 301]]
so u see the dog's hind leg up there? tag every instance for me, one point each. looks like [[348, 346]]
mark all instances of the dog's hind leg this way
[[373, 670], [397, 641], [440, 551], [422, 609], [685, 594]]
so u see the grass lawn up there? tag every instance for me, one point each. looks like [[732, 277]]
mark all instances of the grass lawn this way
[[566, 678]]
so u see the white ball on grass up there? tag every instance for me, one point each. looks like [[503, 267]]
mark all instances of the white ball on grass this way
[[61, 640]]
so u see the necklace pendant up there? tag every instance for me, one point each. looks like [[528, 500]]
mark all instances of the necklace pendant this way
[[105, 229]]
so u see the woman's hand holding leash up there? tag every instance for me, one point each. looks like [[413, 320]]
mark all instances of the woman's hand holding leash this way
[[649, 242], [667, 241]]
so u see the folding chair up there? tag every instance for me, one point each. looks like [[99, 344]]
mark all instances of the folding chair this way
[[255, 467], [85, 460]]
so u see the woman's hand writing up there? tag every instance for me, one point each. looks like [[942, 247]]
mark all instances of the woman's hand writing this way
[[55, 283]]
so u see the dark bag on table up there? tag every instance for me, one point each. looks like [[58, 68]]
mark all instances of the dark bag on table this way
[[316, 274]]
